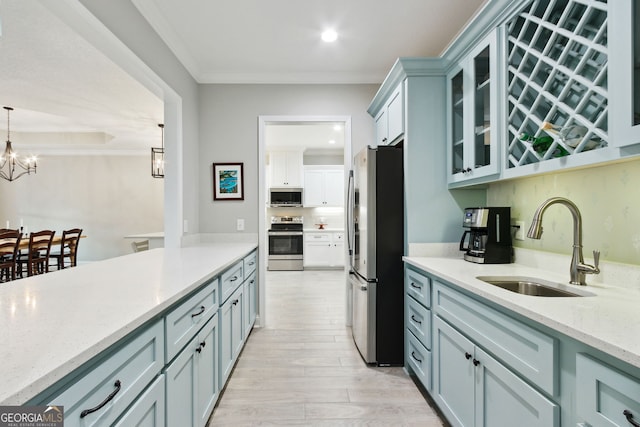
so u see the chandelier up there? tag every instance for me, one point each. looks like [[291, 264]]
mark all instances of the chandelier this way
[[157, 158], [9, 159]]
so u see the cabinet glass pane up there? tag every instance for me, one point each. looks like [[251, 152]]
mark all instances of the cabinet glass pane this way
[[557, 71], [457, 124], [482, 143], [636, 62]]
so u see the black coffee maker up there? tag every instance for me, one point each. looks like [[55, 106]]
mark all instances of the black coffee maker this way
[[487, 235]]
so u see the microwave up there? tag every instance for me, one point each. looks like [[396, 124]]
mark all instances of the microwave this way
[[285, 197]]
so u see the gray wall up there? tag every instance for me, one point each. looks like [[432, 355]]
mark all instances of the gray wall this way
[[108, 197], [229, 133]]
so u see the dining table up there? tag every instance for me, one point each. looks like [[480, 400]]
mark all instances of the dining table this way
[[24, 242]]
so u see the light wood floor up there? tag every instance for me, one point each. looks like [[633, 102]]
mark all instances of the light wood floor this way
[[303, 369]]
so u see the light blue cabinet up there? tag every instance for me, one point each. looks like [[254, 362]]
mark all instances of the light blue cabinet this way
[[472, 104], [192, 386], [249, 303], [148, 410], [390, 119], [605, 396], [231, 333], [474, 389], [418, 326]]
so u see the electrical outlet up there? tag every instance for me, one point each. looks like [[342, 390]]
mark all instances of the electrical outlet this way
[[240, 224], [519, 230], [185, 226]]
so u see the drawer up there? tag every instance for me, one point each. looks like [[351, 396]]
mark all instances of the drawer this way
[[119, 379], [525, 349], [419, 359], [419, 321], [603, 394], [418, 286], [317, 237], [250, 263], [184, 321], [230, 280]]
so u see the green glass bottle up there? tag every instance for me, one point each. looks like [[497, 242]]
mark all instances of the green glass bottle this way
[[542, 143]]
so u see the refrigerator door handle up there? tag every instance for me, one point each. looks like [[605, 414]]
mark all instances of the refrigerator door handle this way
[[350, 207]]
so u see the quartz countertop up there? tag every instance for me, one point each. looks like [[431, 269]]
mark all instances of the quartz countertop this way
[[608, 320], [53, 323]]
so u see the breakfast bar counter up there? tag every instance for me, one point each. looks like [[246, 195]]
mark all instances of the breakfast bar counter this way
[[53, 324]]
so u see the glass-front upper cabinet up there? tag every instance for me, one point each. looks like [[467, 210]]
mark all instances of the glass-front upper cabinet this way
[[472, 104], [625, 72]]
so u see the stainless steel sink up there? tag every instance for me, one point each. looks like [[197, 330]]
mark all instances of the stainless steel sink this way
[[534, 287]]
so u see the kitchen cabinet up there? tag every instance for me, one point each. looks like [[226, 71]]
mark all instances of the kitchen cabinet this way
[[323, 249], [474, 389], [117, 380], [149, 409], [323, 186], [249, 303], [605, 396], [286, 168], [418, 326], [390, 120], [624, 86], [192, 382], [231, 333], [472, 100]]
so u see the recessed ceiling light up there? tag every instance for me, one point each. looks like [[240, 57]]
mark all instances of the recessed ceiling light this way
[[329, 36], [337, 128], [332, 141]]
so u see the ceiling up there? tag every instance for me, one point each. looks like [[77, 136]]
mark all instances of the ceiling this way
[[66, 92]]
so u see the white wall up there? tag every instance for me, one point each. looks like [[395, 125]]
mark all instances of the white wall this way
[[108, 197], [229, 133]]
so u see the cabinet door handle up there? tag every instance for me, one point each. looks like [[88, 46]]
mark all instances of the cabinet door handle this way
[[476, 362], [118, 386], [413, 354], [235, 302], [629, 416], [413, 285], [201, 346], [415, 320], [467, 356], [198, 313], [233, 279]]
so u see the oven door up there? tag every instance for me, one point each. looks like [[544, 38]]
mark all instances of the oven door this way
[[285, 244]]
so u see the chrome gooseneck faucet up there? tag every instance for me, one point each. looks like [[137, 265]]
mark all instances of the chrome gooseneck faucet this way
[[578, 268]]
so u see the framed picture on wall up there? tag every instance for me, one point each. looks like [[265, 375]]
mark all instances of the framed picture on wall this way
[[228, 181]]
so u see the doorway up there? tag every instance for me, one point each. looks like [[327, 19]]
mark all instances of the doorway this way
[[269, 128]]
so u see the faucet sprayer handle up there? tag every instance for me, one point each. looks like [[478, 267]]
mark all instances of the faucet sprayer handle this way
[[596, 258]]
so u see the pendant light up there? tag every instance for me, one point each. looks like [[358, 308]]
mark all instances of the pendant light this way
[[9, 159], [157, 157]]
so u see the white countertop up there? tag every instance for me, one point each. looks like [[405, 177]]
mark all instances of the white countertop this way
[[155, 235], [53, 323], [608, 321], [324, 230]]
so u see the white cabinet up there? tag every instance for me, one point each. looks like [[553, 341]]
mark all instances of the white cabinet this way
[[323, 186], [390, 119], [324, 249], [472, 99], [286, 168], [624, 69]]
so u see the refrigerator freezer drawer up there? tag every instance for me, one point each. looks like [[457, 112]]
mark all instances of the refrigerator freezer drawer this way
[[363, 322]]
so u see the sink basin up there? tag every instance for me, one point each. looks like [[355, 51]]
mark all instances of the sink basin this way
[[533, 287]]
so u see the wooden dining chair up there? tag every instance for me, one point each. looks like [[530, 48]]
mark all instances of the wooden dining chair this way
[[9, 242], [36, 261], [140, 246], [67, 255]]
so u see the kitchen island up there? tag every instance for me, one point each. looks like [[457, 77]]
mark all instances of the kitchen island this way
[[55, 324], [537, 361]]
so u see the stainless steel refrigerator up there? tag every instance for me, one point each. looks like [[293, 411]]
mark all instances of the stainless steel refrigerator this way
[[375, 216]]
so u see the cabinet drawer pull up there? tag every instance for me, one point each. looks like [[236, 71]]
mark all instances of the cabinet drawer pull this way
[[413, 285], [629, 416], [252, 263], [201, 346], [198, 313], [233, 279], [118, 386], [252, 282], [467, 356], [235, 302], [415, 320], [413, 354], [476, 362]]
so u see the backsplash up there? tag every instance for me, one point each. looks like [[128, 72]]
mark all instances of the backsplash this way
[[608, 198], [332, 217]]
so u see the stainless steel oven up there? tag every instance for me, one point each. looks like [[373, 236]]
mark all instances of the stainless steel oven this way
[[285, 243]]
